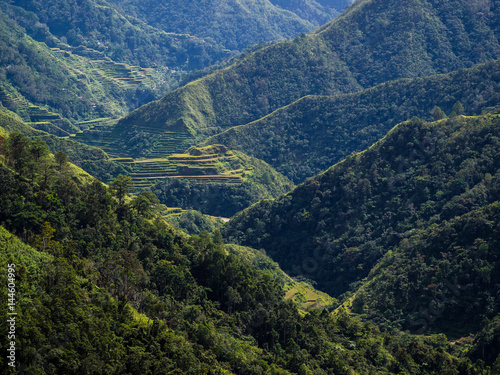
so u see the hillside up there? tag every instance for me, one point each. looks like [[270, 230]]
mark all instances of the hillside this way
[[316, 12], [212, 179], [143, 298], [441, 277], [97, 28], [234, 24], [92, 159], [45, 86], [419, 180], [56, 74], [315, 132], [216, 181], [346, 55]]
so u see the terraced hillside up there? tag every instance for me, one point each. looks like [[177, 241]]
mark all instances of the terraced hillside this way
[[43, 84], [91, 159], [106, 69], [216, 164], [37, 117], [99, 134], [99, 26], [102, 133]]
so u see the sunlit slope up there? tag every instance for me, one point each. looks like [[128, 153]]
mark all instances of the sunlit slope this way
[[372, 42]]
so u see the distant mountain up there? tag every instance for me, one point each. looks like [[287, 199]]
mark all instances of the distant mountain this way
[[315, 132], [372, 42], [234, 24], [428, 193], [98, 26]]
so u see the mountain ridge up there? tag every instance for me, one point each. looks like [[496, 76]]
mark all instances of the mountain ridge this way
[[314, 132], [326, 62]]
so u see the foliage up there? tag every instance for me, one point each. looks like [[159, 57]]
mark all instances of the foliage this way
[[194, 222], [233, 24], [315, 132], [100, 27], [335, 228], [106, 289], [92, 159], [42, 77], [441, 277], [259, 181]]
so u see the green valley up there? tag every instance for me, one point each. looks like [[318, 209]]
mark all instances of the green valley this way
[[142, 297], [425, 193], [149, 217]]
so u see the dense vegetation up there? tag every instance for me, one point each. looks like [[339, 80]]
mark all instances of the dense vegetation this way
[[404, 235], [107, 287], [91, 159], [193, 222], [233, 24], [78, 60], [428, 192], [442, 276], [72, 86], [315, 132], [372, 42], [101, 28]]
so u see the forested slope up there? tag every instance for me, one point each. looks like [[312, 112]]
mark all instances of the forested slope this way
[[428, 192], [42, 84], [91, 159], [234, 24], [78, 61], [315, 132], [103, 285], [417, 38], [99, 27]]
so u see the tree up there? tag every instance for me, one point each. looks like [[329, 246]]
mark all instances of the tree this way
[[16, 151], [61, 160], [145, 202], [122, 186], [457, 109], [437, 113]]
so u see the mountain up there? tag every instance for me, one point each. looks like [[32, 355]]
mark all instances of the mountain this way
[[427, 192], [306, 137], [372, 42], [97, 28], [48, 86], [440, 277], [67, 62], [104, 285], [317, 12], [234, 24]]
